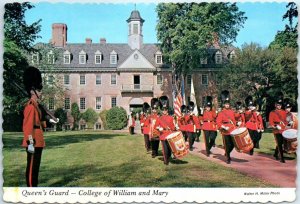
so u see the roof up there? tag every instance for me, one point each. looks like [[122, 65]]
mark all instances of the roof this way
[[135, 16]]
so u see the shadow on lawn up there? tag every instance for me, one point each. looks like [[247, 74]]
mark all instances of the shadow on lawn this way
[[12, 143]]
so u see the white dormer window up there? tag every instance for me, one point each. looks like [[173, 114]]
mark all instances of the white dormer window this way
[[113, 57], [50, 57], [158, 57], [98, 57], [218, 57], [232, 55], [203, 60], [67, 57], [35, 58], [82, 57]]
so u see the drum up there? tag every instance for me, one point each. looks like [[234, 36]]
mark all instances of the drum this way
[[242, 139], [290, 140], [177, 144]]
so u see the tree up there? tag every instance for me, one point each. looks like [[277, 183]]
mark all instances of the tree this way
[[76, 115], [116, 118], [90, 116], [186, 30], [62, 115], [18, 40]]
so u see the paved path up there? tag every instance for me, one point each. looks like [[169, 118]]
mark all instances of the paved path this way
[[259, 165]]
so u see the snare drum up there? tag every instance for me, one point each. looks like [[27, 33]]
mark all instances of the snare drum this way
[[242, 139], [177, 144], [291, 142]]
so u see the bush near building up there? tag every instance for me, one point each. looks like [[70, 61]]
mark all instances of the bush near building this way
[[116, 118], [103, 115], [90, 116]]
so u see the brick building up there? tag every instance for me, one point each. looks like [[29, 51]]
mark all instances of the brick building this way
[[102, 75]]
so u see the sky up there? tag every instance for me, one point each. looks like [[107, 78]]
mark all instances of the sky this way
[[106, 20]]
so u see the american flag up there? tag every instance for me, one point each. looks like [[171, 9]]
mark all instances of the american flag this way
[[177, 105]]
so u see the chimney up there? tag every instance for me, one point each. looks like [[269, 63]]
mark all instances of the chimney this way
[[216, 40], [59, 34], [88, 41], [102, 41]]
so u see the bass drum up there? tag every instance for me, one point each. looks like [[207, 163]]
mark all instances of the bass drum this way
[[290, 140], [177, 144], [242, 139]]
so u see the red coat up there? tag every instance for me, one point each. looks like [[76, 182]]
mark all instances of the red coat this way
[[291, 117], [277, 117], [191, 123], [152, 120], [239, 117], [31, 124], [167, 123], [226, 118], [144, 124], [209, 120], [254, 121]]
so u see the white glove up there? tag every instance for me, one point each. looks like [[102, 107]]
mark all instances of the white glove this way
[[160, 129], [177, 127], [53, 121], [257, 113], [291, 122], [142, 124], [30, 148], [258, 130], [239, 123], [262, 130], [224, 127], [278, 127]]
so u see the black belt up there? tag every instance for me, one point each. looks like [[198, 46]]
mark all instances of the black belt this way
[[36, 127], [207, 121], [226, 122]]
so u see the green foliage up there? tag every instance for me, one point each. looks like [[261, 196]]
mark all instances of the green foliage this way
[[62, 115], [90, 116], [116, 118], [76, 115], [15, 27], [186, 30], [103, 115]]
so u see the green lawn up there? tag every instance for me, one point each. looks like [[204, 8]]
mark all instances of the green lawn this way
[[107, 159]]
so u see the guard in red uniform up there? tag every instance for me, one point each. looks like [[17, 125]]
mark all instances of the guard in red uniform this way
[[131, 123], [209, 126], [166, 126], [277, 120], [181, 121], [192, 124], [152, 120], [291, 119], [145, 125], [254, 122], [239, 114], [226, 123], [33, 139]]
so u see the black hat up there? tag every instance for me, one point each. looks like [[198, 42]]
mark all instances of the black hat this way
[[238, 105], [279, 98], [146, 107], [183, 109], [191, 106], [155, 103], [287, 103], [225, 97], [32, 79], [164, 102], [208, 101], [249, 101]]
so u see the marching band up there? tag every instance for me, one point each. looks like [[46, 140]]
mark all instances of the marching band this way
[[241, 128]]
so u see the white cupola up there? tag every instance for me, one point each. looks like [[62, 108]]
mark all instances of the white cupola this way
[[135, 31]]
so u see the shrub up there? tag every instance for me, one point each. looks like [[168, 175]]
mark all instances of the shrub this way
[[62, 115], [103, 115], [76, 115], [116, 118], [90, 116]]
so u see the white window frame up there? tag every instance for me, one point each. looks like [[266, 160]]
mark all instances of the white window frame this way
[[80, 80], [82, 57], [50, 57], [82, 103], [111, 79], [67, 79], [35, 58], [98, 54], [67, 101], [159, 79], [98, 79], [202, 76], [51, 104], [113, 57], [67, 57], [218, 57], [135, 27], [112, 101], [98, 103], [232, 55]]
